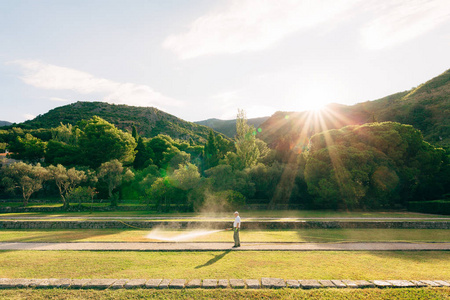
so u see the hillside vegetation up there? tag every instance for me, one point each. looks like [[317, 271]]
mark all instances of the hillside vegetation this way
[[228, 127], [426, 107], [148, 121]]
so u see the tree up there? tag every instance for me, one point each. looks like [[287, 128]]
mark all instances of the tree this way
[[62, 153], [144, 155], [82, 194], [372, 165], [134, 132], [25, 177], [111, 173], [247, 150], [159, 146], [223, 177], [28, 148], [101, 141], [66, 180], [186, 177], [210, 152]]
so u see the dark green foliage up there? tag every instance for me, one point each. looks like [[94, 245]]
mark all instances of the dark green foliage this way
[[373, 165], [62, 153], [28, 148], [101, 141], [223, 178], [441, 207], [144, 155], [211, 152], [148, 120]]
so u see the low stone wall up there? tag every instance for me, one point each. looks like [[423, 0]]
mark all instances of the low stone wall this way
[[264, 283], [72, 208], [250, 225]]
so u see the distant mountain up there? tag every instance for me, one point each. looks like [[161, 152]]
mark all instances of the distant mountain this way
[[426, 107], [5, 123], [149, 121], [228, 127]]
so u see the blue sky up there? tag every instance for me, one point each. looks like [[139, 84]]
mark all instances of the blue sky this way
[[201, 59]]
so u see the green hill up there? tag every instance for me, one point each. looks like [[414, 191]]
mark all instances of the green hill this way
[[149, 121], [426, 107], [228, 127], [5, 123]]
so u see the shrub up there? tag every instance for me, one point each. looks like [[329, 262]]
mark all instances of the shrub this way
[[441, 207]]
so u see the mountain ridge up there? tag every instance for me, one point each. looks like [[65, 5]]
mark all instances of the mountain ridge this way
[[228, 127], [5, 123], [425, 107], [149, 121]]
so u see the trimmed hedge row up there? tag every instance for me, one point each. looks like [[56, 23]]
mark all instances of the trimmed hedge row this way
[[441, 207]]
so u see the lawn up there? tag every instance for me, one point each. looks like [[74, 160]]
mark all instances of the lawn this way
[[228, 294], [408, 265], [295, 236]]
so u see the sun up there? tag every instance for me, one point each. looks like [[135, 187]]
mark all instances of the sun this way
[[314, 100], [315, 107]]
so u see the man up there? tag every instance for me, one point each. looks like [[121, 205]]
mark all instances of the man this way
[[236, 228]]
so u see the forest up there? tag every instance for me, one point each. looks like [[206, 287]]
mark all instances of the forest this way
[[371, 166]]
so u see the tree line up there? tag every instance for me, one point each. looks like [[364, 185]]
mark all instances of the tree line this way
[[377, 165]]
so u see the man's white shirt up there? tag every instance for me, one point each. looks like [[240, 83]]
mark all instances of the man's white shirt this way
[[237, 221]]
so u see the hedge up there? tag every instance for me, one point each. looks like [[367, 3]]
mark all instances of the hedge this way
[[441, 207]]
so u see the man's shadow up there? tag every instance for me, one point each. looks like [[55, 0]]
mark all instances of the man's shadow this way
[[214, 259]]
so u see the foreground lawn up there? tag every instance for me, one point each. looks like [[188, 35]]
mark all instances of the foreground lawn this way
[[330, 294], [297, 236], [409, 265], [276, 214]]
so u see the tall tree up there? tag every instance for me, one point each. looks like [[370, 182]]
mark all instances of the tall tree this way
[[247, 151], [101, 141], [210, 152], [144, 155], [112, 173]]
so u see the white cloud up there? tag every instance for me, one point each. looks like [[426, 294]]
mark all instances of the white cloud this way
[[403, 20], [51, 77], [251, 25], [29, 116]]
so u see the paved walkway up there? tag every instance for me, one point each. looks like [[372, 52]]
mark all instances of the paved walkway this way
[[148, 246], [266, 283]]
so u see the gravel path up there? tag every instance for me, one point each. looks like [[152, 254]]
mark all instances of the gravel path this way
[[119, 246]]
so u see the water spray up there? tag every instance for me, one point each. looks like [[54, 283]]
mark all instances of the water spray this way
[[156, 235]]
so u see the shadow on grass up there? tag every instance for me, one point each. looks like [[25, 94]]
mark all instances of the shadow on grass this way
[[213, 260]]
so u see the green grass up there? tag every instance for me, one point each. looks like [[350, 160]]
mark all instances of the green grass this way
[[228, 294], [297, 236], [408, 265]]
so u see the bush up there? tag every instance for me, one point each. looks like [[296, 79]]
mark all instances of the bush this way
[[81, 195], [441, 207]]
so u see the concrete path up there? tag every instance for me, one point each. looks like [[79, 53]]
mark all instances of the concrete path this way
[[148, 246]]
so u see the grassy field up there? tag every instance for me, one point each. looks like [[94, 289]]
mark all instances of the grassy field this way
[[297, 236], [329, 294], [408, 265]]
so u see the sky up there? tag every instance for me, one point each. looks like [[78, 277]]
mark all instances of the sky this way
[[201, 59]]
